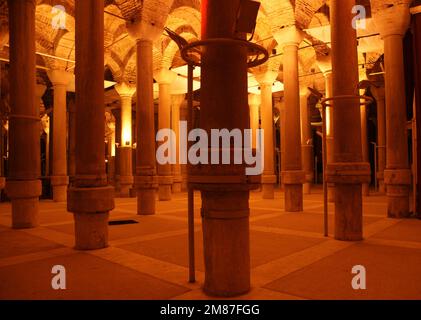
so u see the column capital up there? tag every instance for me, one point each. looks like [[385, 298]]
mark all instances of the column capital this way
[[304, 91], [60, 77], [125, 90], [164, 76], [254, 99], [378, 92], [325, 64], [267, 77], [392, 19], [143, 30], [39, 90], [289, 36]]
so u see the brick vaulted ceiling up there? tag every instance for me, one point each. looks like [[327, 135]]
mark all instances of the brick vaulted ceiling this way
[[182, 16]]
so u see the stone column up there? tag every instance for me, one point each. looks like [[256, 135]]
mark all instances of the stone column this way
[[59, 180], [117, 115], [266, 81], [364, 140], [348, 171], [254, 103], [306, 140], [176, 101], [392, 23], [72, 141], [145, 180], [125, 160], [225, 208], [325, 66], [90, 198], [282, 138], [23, 185], [293, 177], [164, 77], [379, 95]]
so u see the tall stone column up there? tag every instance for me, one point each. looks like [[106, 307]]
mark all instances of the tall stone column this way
[[379, 95], [282, 138], [364, 140], [392, 23], [266, 81], [325, 66], [117, 115], [164, 77], [176, 101], [306, 140], [90, 198], [59, 180], [125, 159], [145, 180], [23, 185], [293, 177], [225, 207], [348, 171], [72, 141], [254, 103]]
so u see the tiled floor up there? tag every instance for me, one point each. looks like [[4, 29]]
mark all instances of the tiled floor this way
[[290, 258]]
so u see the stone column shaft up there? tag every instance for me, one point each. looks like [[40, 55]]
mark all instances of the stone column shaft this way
[[59, 178], [348, 171], [23, 185], [146, 179], [364, 140], [268, 177], [293, 177], [125, 148], [176, 101], [90, 198], [225, 208], [379, 95], [392, 23], [164, 77], [306, 143]]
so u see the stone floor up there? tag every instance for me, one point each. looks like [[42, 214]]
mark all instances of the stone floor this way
[[290, 258]]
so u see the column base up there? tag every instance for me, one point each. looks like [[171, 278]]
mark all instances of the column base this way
[[307, 188], [348, 212], [348, 178], [382, 186], [268, 186], [90, 207], [91, 230], [146, 202], [176, 187], [60, 193], [365, 190], [293, 181], [24, 196], [397, 182], [60, 184], [126, 183], [225, 216], [331, 193], [164, 188]]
